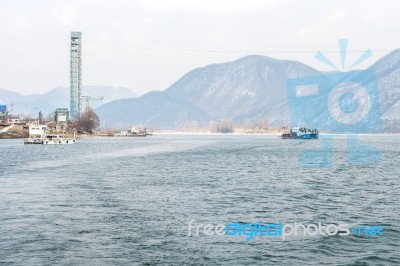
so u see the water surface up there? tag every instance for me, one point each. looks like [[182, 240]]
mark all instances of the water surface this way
[[128, 201]]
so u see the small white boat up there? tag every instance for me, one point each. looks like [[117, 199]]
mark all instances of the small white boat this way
[[38, 135]]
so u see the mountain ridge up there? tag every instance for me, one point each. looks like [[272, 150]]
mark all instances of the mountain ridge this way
[[254, 87], [243, 90], [59, 98]]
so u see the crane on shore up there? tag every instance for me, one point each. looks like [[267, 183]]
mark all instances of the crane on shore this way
[[90, 99]]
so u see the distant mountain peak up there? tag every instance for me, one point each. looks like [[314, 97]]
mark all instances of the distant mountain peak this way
[[239, 86], [59, 97]]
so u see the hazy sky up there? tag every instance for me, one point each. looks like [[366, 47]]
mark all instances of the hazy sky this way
[[147, 45]]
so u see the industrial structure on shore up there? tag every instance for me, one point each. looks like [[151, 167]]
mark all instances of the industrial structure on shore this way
[[75, 75], [64, 119]]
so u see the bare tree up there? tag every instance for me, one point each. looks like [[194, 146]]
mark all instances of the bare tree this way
[[214, 127], [88, 121], [226, 126], [223, 126]]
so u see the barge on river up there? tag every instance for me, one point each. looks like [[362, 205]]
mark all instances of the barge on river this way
[[301, 133]]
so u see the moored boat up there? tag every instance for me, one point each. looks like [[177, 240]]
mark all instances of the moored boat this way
[[38, 135]]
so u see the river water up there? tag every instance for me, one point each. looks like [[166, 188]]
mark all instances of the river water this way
[[128, 201]]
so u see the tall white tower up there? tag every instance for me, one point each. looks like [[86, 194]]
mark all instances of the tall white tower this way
[[75, 75]]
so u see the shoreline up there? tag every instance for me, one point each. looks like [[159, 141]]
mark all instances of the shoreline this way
[[218, 134], [242, 134]]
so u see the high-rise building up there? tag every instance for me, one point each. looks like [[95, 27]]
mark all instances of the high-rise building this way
[[75, 75], [3, 114]]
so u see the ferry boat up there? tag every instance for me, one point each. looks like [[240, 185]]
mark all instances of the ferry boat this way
[[301, 133], [132, 132], [38, 135], [58, 139]]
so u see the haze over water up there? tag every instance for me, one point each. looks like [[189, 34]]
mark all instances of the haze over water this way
[[129, 200]]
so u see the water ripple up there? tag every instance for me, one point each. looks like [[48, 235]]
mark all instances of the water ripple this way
[[128, 201]]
